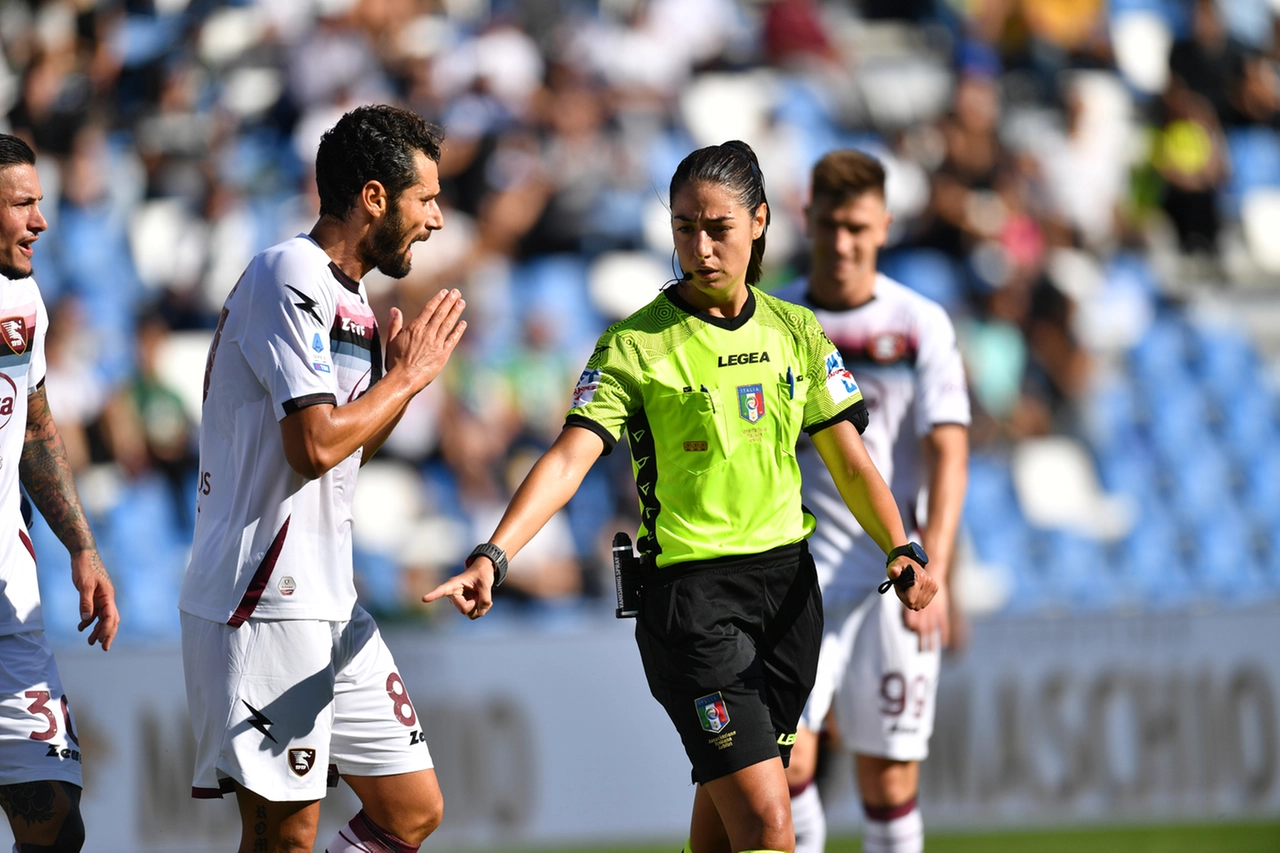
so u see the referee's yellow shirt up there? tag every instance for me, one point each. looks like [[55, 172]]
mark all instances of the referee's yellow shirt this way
[[712, 408]]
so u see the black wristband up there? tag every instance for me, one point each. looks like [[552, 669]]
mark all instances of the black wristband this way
[[496, 556]]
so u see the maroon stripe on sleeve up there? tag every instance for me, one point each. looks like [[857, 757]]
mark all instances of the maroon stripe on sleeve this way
[[260, 578], [26, 540]]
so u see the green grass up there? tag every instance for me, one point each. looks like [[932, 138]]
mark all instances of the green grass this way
[[1204, 838]]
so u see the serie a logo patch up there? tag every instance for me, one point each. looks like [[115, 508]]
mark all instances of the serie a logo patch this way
[[712, 713]]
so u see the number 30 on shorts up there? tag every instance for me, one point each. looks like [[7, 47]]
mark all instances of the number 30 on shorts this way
[[39, 707], [400, 700]]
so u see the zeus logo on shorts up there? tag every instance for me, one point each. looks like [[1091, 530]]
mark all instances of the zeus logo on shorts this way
[[712, 713], [301, 761]]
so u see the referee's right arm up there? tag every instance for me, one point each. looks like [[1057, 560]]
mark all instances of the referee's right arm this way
[[552, 481]]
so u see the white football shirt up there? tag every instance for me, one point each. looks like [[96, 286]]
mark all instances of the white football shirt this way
[[902, 349], [269, 543], [23, 325]]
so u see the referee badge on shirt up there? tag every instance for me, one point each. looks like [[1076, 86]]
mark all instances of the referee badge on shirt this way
[[751, 402], [711, 710]]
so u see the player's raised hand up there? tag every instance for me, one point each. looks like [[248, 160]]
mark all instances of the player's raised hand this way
[[422, 346], [917, 595], [471, 592], [933, 623], [97, 597]]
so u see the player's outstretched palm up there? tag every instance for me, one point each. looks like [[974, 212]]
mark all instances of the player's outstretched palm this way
[[422, 346], [471, 592]]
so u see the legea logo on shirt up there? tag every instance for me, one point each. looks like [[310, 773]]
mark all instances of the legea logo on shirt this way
[[840, 383], [585, 391]]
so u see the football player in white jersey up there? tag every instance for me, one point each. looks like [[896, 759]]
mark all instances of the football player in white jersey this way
[[39, 754], [289, 683], [878, 666]]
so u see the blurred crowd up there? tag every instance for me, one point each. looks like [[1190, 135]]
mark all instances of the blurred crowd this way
[[1057, 168]]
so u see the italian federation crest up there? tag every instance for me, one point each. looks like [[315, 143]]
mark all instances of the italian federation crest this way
[[751, 402], [711, 711]]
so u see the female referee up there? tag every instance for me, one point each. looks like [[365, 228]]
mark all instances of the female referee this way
[[712, 383]]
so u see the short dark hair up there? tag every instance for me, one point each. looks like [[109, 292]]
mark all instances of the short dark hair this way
[[15, 152], [372, 143], [733, 166], [845, 174]]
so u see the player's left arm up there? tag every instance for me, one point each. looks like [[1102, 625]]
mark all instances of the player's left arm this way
[[46, 474], [942, 417], [945, 449]]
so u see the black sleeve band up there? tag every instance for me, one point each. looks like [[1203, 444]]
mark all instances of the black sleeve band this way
[[856, 414], [299, 403], [588, 424]]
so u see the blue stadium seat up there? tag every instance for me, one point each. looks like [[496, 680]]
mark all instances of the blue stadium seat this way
[[1112, 417], [1152, 565], [1130, 470], [1226, 566], [990, 500], [1075, 572], [928, 272], [1201, 484], [1248, 424], [1255, 162], [1226, 363], [1161, 356], [378, 580], [1261, 485]]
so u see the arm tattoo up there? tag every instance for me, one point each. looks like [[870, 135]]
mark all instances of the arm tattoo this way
[[46, 473]]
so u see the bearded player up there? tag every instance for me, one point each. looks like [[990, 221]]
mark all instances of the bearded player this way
[[878, 665], [289, 683], [39, 752]]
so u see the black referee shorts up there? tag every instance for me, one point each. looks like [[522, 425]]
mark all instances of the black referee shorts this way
[[730, 649]]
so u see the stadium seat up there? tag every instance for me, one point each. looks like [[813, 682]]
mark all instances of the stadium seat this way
[[1255, 163], [928, 272], [1075, 572], [1161, 356], [990, 499], [1142, 39], [1152, 568], [1260, 220], [1058, 488], [1226, 567]]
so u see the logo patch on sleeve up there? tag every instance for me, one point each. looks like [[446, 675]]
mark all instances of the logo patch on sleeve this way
[[585, 391], [316, 343], [712, 713], [751, 402], [840, 383]]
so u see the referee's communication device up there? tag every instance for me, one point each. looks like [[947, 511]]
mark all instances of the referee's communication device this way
[[626, 577]]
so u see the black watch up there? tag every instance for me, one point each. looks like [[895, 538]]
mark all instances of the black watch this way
[[497, 556], [912, 550]]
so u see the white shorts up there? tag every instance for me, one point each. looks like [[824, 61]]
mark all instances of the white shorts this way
[[882, 688], [37, 731], [283, 707]]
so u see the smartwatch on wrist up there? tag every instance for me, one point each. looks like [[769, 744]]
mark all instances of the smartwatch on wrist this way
[[907, 578], [496, 556], [912, 550]]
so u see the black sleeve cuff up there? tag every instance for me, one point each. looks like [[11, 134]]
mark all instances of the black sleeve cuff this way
[[856, 414], [588, 424], [299, 403]]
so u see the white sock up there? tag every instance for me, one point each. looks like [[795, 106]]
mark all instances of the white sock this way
[[893, 829], [809, 821], [362, 835]]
